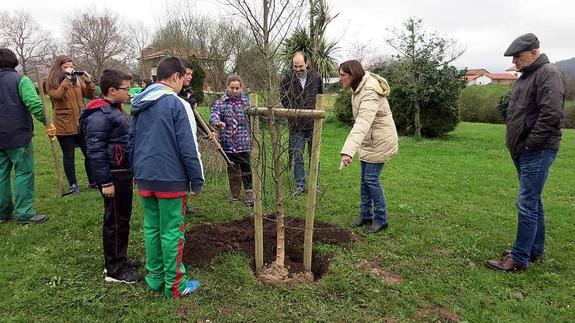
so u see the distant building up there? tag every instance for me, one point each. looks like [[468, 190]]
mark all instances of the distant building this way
[[480, 76]]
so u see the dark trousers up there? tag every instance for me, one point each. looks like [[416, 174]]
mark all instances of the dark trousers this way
[[242, 167], [68, 145], [116, 228]]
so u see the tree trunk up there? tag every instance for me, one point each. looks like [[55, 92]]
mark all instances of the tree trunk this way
[[417, 120], [280, 235]]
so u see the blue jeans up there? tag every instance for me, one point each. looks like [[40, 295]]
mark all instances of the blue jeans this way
[[532, 169], [372, 204], [297, 141]]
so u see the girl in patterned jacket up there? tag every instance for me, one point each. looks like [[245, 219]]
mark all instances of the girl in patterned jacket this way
[[230, 117]]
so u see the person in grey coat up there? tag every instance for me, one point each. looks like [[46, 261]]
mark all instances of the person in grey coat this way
[[534, 117]]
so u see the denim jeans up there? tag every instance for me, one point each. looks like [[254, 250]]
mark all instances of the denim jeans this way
[[532, 169], [372, 204], [298, 139]]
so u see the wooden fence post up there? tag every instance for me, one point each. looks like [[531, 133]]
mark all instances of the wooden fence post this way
[[312, 186], [257, 186]]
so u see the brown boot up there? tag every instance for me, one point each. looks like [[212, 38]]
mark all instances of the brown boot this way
[[505, 264], [249, 197], [235, 181]]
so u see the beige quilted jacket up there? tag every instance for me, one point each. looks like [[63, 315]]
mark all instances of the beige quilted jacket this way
[[373, 135]]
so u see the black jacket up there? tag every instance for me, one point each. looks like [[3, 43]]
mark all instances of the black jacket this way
[[188, 95], [104, 128], [293, 96], [536, 109]]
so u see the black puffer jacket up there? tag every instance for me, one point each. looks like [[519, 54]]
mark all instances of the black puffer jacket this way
[[536, 109], [105, 128]]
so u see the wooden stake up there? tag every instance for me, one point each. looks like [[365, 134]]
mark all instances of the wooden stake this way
[[257, 186], [312, 191], [48, 122]]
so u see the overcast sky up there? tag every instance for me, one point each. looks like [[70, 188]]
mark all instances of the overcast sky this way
[[484, 27]]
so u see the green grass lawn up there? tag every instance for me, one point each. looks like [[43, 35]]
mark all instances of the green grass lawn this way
[[451, 205]]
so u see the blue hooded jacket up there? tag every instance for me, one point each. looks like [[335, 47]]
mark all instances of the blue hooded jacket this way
[[163, 142]]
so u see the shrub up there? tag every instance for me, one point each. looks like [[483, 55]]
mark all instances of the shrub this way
[[439, 113], [197, 84], [342, 107], [569, 115], [479, 103], [503, 104]]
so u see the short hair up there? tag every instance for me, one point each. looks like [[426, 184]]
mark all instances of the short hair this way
[[234, 78], [8, 58], [112, 78], [305, 56], [353, 67], [148, 82], [168, 66], [187, 64]]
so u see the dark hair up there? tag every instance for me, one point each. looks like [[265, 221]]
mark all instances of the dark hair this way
[[7, 58], [56, 76], [353, 67], [148, 82], [305, 57], [234, 78], [168, 66], [187, 64], [112, 78]]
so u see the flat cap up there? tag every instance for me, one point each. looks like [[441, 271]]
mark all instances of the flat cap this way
[[522, 43]]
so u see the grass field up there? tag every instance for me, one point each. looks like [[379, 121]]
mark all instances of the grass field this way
[[451, 204]]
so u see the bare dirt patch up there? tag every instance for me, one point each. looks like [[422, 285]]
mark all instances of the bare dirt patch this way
[[438, 313], [206, 241], [375, 269]]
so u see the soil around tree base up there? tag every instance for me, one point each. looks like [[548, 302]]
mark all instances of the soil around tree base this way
[[206, 241]]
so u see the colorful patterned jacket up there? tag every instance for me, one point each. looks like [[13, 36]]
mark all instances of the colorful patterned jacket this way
[[236, 137]]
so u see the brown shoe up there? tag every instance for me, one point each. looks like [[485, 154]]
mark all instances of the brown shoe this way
[[532, 259], [505, 264]]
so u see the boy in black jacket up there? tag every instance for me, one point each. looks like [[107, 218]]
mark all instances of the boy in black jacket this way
[[105, 128]]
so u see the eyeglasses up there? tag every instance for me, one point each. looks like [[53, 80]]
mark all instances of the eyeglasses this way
[[123, 88]]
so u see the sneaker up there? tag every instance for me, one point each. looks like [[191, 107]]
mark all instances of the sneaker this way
[[298, 191], [36, 219], [74, 189], [376, 227], [131, 263], [92, 186], [128, 277], [191, 286], [6, 219]]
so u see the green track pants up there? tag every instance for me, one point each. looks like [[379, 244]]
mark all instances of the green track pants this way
[[22, 159], [164, 240]]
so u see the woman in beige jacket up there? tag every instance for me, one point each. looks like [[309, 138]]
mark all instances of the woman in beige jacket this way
[[373, 137]]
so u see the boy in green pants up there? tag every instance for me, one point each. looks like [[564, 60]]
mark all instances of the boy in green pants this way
[[166, 164], [19, 102]]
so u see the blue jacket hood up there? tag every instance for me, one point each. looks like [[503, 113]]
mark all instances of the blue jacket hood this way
[[149, 96]]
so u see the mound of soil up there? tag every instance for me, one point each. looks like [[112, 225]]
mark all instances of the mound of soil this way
[[206, 241]]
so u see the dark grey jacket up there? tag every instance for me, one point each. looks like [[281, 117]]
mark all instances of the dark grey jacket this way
[[293, 96], [536, 109]]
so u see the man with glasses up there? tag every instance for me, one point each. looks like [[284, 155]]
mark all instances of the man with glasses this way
[[298, 90]]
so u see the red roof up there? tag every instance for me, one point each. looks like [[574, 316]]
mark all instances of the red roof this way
[[471, 77], [502, 76], [511, 69], [477, 71]]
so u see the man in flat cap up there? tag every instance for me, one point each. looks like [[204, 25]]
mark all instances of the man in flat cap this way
[[534, 117]]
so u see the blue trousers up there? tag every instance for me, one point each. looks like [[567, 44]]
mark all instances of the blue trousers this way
[[532, 169]]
